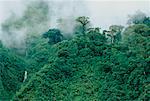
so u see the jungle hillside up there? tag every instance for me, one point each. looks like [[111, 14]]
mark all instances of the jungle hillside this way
[[72, 60]]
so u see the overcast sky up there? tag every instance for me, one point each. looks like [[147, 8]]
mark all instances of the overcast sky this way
[[101, 12], [108, 12]]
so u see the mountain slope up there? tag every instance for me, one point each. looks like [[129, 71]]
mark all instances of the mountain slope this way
[[88, 68], [12, 70]]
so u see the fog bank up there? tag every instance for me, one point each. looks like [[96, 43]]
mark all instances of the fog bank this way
[[62, 14]]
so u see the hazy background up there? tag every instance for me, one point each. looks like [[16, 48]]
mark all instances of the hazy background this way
[[101, 12], [106, 12]]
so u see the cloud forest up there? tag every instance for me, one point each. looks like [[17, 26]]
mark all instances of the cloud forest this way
[[70, 59]]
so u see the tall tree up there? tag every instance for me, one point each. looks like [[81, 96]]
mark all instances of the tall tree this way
[[84, 21], [116, 32], [54, 36]]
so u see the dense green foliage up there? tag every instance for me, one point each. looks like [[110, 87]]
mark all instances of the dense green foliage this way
[[12, 70], [90, 66], [87, 68], [54, 36]]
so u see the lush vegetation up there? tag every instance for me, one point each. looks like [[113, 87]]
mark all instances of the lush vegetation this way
[[12, 70], [93, 65]]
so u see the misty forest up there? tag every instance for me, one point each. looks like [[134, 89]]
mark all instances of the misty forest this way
[[74, 61]]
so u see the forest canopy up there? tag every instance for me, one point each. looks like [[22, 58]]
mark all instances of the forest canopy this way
[[93, 64]]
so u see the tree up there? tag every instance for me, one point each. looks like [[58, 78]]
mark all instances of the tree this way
[[54, 36], [84, 21], [136, 37], [116, 32], [147, 21], [137, 18], [1, 44], [93, 30]]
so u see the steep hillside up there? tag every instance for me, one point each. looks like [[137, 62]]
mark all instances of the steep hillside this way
[[12, 70], [89, 68]]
